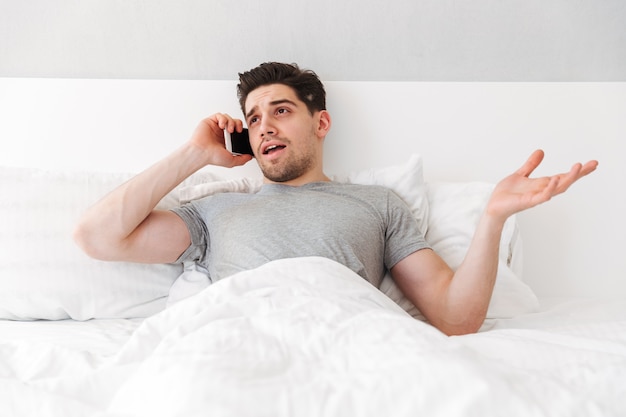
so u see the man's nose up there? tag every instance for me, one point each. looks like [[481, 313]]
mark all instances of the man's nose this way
[[267, 129]]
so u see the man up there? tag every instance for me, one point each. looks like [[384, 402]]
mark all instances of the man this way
[[300, 212]]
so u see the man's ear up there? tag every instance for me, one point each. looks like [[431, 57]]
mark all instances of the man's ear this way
[[324, 123]]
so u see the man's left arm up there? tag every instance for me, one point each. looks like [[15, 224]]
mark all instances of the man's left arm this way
[[456, 302]]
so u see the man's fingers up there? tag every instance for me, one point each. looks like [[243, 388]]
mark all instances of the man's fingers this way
[[588, 168], [531, 163], [225, 122], [577, 172]]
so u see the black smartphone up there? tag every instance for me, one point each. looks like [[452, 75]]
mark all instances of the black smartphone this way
[[238, 143]]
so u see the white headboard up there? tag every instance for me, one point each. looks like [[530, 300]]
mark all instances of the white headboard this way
[[573, 246]]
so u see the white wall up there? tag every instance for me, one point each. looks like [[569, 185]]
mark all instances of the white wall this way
[[417, 40]]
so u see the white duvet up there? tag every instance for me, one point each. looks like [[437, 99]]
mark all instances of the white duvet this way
[[308, 337]]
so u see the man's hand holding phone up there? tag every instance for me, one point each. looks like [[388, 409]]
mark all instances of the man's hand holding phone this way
[[210, 137]]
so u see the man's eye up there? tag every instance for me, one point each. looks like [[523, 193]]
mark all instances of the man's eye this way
[[253, 120], [282, 111]]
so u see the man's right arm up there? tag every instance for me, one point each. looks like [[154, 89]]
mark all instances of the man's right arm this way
[[124, 225]]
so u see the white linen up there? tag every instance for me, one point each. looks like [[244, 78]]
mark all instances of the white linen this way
[[101, 337], [307, 336]]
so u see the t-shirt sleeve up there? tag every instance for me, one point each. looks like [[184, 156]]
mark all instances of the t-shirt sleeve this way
[[403, 235], [197, 250]]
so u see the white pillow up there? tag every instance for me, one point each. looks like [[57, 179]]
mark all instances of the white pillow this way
[[43, 274], [455, 209], [407, 180]]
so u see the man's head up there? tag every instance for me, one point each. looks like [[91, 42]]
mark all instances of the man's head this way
[[284, 108], [305, 83]]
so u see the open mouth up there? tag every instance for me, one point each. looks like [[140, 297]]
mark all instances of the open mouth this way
[[272, 148]]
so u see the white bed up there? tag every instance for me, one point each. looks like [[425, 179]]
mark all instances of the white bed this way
[[306, 336]]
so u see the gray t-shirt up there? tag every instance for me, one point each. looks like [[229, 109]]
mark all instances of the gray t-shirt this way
[[366, 228]]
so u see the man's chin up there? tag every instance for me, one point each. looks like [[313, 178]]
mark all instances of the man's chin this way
[[278, 175]]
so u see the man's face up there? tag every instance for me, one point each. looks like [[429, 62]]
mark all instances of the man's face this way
[[286, 139]]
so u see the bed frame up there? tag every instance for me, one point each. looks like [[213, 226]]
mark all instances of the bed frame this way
[[464, 131]]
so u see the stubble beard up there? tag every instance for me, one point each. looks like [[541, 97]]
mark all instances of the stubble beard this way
[[289, 167]]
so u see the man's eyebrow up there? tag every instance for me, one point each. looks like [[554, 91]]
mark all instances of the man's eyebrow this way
[[272, 103], [283, 101], [251, 112]]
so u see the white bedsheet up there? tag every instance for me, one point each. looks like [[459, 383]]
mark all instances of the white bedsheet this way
[[306, 336]]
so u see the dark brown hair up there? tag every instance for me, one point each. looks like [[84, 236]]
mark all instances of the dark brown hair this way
[[305, 83]]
